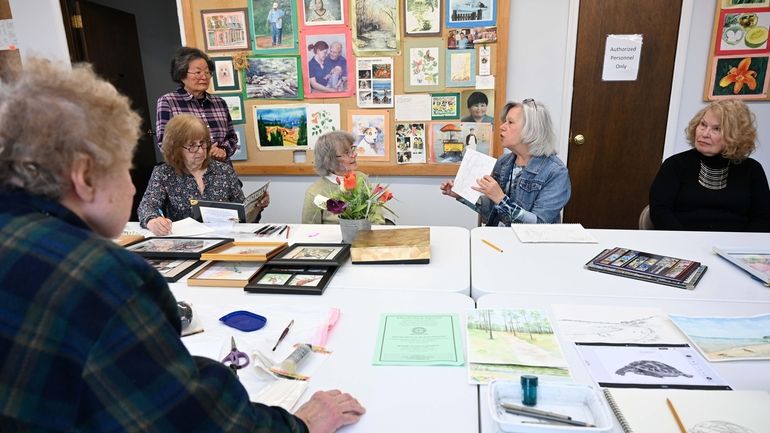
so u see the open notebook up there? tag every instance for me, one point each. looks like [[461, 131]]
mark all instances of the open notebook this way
[[648, 410]]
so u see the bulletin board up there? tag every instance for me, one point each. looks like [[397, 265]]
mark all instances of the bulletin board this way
[[740, 52], [200, 16]]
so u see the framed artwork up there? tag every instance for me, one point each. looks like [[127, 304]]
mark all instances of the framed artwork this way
[[326, 58], [225, 75], [422, 17], [225, 29], [174, 269], [225, 274], [324, 12], [477, 106], [460, 68], [321, 118], [273, 78], [727, 4], [307, 254], [446, 143], [444, 106], [471, 13], [176, 247], [477, 136], [376, 27], [756, 263], [423, 64], [743, 31], [242, 154], [371, 130], [245, 251], [281, 127], [274, 26], [234, 103], [739, 77], [291, 279], [374, 82], [411, 143], [128, 238]]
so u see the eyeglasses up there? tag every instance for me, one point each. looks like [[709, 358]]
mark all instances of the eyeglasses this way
[[194, 147], [530, 101], [200, 73], [352, 152]]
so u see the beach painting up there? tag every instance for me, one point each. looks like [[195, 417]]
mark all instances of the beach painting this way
[[728, 338]]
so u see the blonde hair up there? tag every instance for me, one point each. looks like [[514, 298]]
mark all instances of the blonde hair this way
[[181, 130], [737, 125], [51, 115]]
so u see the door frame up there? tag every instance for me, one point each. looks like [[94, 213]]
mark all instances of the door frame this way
[[677, 80]]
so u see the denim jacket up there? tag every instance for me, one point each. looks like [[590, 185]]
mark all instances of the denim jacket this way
[[538, 193]]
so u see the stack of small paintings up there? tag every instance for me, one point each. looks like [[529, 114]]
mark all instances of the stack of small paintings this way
[[304, 269], [174, 257]]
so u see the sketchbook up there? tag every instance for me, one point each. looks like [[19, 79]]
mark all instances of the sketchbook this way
[[643, 410], [654, 268], [736, 411], [756, 263]]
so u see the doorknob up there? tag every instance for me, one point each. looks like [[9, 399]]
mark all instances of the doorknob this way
[[579, 139]]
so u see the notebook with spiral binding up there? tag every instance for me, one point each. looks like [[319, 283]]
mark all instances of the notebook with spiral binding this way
[[643, 410]]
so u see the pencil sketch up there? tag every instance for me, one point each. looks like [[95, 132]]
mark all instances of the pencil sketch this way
[[652, 369], [718, 427], [613, 324]]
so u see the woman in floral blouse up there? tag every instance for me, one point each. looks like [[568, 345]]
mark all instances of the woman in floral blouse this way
[[188, 174]]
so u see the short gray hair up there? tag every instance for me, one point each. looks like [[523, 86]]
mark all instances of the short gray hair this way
[[181, 61], [50, 115], [537, 131], [327, 148]]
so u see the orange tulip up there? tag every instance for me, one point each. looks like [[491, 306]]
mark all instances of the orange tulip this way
[[386, 196], [349, 183], [740, 76]]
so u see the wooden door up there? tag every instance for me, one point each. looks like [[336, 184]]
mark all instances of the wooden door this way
[[623, 122], [108, 39]]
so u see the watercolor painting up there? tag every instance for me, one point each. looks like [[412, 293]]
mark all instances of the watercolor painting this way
[[322, 118], [376, 26], [728, 338], [422, 17], [371, 131], [273, 78], [444, 106], [739, 77], [743, 31], [281, 127], [234, 103], [225, 29]]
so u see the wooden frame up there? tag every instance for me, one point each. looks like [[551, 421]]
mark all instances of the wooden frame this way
[[175, 247], [282, 163], [225, 75], [218, 29], [306, 254], [225, 274], [245, 251], [174, 269]]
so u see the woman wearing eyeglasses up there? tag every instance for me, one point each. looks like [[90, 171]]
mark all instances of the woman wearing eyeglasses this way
[[189, 173], [192, 68], [335, 156], [530, 184]]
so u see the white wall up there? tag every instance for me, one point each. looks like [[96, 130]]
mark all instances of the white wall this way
[[40, 29]]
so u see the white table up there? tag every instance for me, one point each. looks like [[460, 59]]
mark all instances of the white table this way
[[558, 268], [397, 398], [739, 374], [448, 270]]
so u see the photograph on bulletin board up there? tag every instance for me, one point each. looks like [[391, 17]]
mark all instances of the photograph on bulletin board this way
[[371, 129], [376, 26], [374, 82], [471, 13], [478, 106], [276, 77], [327, 62], [323, 12], [410, 143], [274, 26], [225, 29], [281, 127]]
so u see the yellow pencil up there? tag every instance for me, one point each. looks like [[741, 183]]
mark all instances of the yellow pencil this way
[[494, 247]]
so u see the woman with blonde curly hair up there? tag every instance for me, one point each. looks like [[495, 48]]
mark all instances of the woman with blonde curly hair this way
[[714, 186]]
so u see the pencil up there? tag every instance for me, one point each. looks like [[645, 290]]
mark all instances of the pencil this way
[[493, 246]]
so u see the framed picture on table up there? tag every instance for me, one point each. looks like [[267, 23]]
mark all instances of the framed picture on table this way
[[291, 280], [176, 247], [313, 255], [245, 251], [174, 269], [225, 274]]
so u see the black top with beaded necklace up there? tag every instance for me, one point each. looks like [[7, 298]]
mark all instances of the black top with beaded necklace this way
[[710, 193]]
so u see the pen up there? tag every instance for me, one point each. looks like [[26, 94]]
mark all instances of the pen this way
[[283, 334], [548, 418], [493, 246], [262, 229], [532, 410], [283, 229], [287, 231], [270, 232], [160, 212]]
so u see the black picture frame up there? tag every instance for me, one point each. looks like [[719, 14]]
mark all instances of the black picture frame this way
[[238, 207], [176, 247], [173, 274], [302, 254], [291, 279]]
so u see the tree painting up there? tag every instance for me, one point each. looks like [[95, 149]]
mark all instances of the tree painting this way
[[376, 25], [422, 17]]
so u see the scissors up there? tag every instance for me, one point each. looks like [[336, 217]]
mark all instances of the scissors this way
[[235, 359]]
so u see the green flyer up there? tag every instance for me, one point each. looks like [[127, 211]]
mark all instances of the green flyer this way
[[419, 339]]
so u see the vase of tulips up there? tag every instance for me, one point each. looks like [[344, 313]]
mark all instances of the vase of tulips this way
[[356, 203]]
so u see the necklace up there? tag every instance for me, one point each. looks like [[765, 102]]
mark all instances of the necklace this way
[[713, 178]]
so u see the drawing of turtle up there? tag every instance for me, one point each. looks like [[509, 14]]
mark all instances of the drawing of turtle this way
[[718, 427], [651, 368]]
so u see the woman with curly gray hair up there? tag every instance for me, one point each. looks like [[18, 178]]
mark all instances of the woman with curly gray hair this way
[[335, 156], [714, 186]]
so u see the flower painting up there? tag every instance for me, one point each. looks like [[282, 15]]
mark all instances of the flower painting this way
[[740, 76], [424, 66], [321, 118]]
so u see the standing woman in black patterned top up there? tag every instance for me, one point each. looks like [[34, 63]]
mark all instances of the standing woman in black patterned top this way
[[714, 186], [189, 173]]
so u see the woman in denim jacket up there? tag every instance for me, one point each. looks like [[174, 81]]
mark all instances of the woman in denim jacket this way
[[528, 185]]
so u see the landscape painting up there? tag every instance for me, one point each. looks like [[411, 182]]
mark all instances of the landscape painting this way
[[281, 127], [273, 78], [422, 17], [376, 26], [728, 338]]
